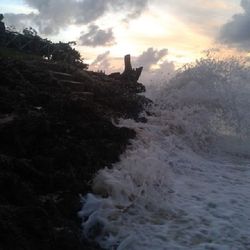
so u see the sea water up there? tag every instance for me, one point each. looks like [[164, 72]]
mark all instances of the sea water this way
[[184, 183]]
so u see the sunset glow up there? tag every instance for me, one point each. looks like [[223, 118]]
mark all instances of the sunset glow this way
[[184, 29]]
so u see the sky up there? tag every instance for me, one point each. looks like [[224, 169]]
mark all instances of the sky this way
[[161, 35]]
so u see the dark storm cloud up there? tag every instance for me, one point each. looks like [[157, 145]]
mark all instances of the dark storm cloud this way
[[150, 57], [97, 37], [237, 31], [52, 15]]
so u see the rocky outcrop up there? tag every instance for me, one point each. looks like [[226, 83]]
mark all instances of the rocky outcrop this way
[[56, 133]]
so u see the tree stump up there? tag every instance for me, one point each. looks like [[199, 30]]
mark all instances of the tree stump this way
[[129, 73], [127, 63]]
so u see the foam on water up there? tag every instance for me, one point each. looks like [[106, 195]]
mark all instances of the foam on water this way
[[184, 182]]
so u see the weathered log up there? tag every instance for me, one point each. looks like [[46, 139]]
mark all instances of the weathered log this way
[[127, 63], [129, 73], [138, 72]]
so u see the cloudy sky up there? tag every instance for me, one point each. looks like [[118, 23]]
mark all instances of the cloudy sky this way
[[160, 34]]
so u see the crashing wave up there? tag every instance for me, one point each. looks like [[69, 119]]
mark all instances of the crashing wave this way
[[165, 191]]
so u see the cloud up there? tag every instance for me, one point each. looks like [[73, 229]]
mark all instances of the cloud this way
[[100, 58], [49, 16], [150, 57], [97, 37], [52, 15], [102, 62], [136, 7], [237, 31], [156, 68], [19, 21], [159, 75], [204, 16]]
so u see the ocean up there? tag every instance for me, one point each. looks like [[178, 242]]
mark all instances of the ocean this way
[[184, 182]]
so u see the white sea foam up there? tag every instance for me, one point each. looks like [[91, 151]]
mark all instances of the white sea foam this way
[[185, 181]]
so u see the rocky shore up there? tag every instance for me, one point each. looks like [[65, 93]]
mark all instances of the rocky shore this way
[[56, 132]]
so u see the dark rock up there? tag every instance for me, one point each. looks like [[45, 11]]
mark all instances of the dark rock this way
[[2, 26], [56, 133], [116, 75]]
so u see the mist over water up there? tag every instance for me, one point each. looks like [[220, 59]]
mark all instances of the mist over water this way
[[184, 182]]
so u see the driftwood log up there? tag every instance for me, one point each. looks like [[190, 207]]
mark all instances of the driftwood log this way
[[129, 73], [127, 63]]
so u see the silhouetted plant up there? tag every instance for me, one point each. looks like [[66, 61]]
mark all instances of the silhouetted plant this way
[[30, 42]]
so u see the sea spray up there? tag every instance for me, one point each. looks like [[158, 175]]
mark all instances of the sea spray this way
[[184, 183]]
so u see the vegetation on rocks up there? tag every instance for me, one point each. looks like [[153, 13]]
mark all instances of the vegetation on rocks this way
[[29, 42]]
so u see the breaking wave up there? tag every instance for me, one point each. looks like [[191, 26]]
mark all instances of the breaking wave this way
[[184, 182]]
